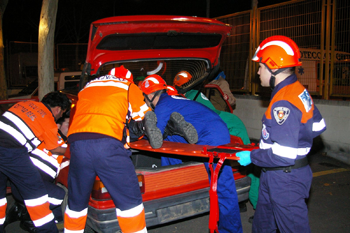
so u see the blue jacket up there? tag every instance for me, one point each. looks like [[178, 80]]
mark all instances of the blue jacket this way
[[288, 126], [210, 128]]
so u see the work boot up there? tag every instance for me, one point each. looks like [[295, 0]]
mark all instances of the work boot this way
[[152, 132], [26, 222], [13, 214], [177, 125]]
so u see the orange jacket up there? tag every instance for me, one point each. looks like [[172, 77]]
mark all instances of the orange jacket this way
[[34, 121], [105, 104]]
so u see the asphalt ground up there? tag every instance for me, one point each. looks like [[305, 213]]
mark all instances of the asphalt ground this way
[[329, 203]]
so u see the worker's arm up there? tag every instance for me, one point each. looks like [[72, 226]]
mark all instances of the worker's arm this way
[[58, 150]]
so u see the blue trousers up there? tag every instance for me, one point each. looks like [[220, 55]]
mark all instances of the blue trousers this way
[[16, 165], [108, 159], [53, 191], [281, 201]]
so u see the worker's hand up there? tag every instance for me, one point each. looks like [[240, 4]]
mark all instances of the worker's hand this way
[[244, 158]]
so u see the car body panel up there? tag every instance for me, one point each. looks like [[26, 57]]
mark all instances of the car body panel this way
[[120, 29]]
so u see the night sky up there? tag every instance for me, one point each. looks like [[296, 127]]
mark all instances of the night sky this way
[[21, 17]]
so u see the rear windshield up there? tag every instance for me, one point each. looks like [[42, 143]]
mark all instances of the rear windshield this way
[[159, 41]]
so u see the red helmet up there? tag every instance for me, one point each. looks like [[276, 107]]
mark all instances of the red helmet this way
[[171, 90], [181, 78], [122, 72], [152, 84], [278, 52]]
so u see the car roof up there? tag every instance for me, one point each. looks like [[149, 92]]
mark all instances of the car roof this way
[[125, 38]]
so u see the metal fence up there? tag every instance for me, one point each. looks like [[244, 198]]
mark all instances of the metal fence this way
[[22, 60], [71, 56], [319, 27]]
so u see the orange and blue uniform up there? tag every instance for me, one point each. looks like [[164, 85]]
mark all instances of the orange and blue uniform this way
[[22, 128], [49, 166], [95, 137], [289, 125]]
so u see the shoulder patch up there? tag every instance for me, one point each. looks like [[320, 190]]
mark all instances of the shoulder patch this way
[[264, 132], [281, 114], [306, 100]]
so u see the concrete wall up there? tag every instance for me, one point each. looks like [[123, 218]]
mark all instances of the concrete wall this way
[[336, 139]]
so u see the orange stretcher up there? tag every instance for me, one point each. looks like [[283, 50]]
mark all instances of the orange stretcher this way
[[220, 153]]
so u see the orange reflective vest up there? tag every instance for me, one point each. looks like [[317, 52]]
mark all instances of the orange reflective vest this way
[[30, 123], [105, 104]]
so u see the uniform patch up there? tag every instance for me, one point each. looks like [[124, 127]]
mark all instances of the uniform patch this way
[[264, 132], [306, 99], [281, 114]]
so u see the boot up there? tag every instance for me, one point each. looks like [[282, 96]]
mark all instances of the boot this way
[[177, 125], [26, 222], [152, 132], [13, 214]]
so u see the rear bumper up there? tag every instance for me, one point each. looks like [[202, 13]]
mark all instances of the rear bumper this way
[[164, 210]]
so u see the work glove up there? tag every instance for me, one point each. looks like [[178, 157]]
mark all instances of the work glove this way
[[244, 158]]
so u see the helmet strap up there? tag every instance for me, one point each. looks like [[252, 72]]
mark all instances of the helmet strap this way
[[151, 100], [273, 76], [272, 82]]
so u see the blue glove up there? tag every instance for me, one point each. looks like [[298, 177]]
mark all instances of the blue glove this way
[[244, 158]]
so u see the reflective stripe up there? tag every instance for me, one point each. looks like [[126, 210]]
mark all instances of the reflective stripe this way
[[65, 164], [284, 151], [107, 84], [55, 201], [37, 201], [76, 214], [42, 166], [130, 212], [16, 135], [23, 127], [144, 230], [141, 113], [25, 136], [318, 126], [2, 220], [45, 157], [69, 231], [3, 201], [44, 220]]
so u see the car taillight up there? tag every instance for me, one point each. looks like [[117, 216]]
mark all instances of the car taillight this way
[[141, 180], [100, 192]]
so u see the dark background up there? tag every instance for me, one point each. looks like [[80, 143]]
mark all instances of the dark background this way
[[21, 17]]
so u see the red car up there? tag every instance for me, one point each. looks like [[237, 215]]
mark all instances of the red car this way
[[163, 45]]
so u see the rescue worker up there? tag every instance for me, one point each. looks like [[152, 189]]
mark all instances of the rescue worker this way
[[95, 136], [49, 166], [22, 129], [211, 131], [289, 125], [233, 123]]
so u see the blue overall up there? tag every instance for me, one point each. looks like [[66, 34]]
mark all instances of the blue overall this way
[[107, 158], [17, 166], [211, 131], [289, 125], [53, 191]]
